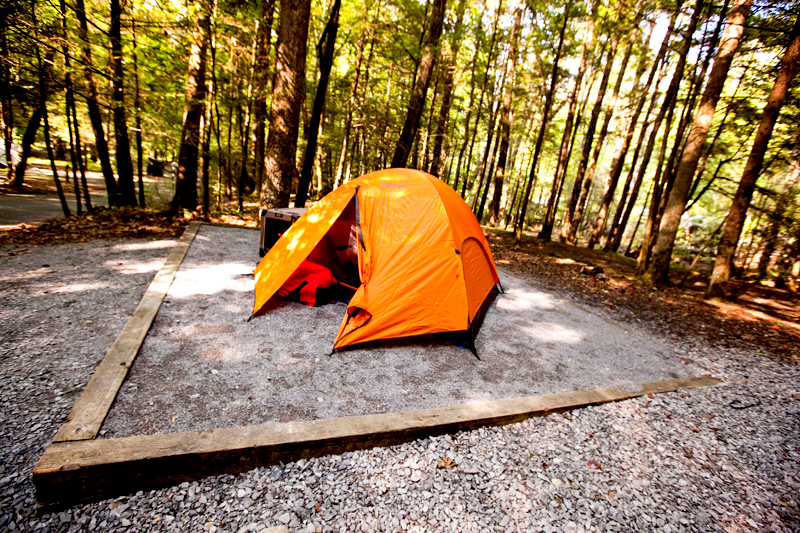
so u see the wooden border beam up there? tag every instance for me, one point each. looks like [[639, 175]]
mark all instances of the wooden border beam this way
[[90, 410], [76, 472]]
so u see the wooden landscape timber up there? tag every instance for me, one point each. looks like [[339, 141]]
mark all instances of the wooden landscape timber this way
[[90, 410], [77, 467], [82, 471]]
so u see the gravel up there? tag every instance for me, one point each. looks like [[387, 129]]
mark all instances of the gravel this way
[[204, 366], [721, 458]]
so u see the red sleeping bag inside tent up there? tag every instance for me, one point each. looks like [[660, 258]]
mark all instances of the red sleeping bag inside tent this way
[[311, 284]]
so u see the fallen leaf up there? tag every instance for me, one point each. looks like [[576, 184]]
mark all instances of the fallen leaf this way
[[317, 507], [595, 464], [446, 463]]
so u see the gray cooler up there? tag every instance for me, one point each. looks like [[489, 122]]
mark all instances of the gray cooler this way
[[274, 223]]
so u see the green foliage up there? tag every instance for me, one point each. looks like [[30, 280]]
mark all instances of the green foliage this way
[[388, 37]]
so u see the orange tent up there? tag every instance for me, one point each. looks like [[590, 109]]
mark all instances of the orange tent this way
[[409, 244]]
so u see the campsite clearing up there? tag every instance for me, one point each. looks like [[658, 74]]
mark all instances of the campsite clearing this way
[[204, 367]]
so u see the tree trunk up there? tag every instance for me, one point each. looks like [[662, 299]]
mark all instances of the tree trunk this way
[[264, 36], [744, 194], [205, 159], [548, 103], [125, 187], [449, 65], [490, 57], [137, 103], [568, 227], [654, 211], [325, 53], [351, 104], [69, 102], [661, 187], [92, 103], [679, 144], [193, 111], [563, 152], [45, 73], [426, 144], [486, 168], [777, 217], [621, 152], [417, 103], [28, 139], [610, 110], [624, 208], [626, 200], [288, 94], [5, 95], [658, 270], [480, 170], [709, 148], [638, 221], [505, 117]]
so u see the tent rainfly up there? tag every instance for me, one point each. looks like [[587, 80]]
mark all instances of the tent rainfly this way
[[407, 244]]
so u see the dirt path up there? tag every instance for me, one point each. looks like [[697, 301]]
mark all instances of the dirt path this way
[[38, 201]]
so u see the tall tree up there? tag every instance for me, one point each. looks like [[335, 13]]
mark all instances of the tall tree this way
[[625, 204], [351, 103], [662, 187], [505, 118], [744, 193], [448, 68], [193, 110], [125, 187], [5, 92], [778, 216], [92, 103], [490, 59], [566, 139], [137, 106], [74, 143], [288, 93], [263, 37], [548, 104], [568, 226], [610, 112], [630, 121], [420, 91], [658, 270], [45, 74], [325, 49]]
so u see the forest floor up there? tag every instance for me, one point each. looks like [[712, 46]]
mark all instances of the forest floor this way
[[757, 315]]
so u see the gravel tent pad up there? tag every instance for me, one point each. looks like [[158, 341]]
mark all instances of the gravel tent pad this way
[[203, 366]]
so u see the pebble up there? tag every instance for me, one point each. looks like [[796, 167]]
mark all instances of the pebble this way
[[651, 464]]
